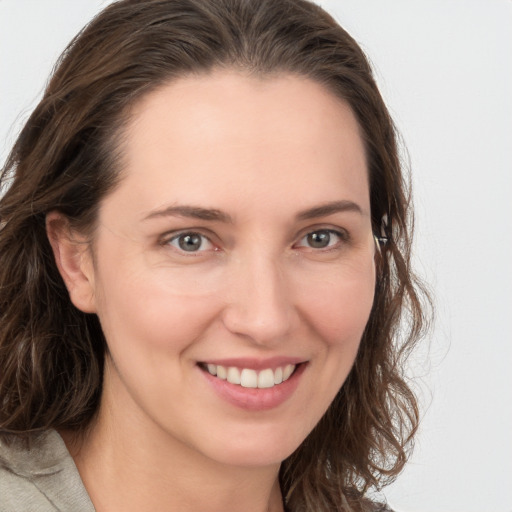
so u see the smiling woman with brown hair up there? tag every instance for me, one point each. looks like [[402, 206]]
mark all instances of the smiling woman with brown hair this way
[[204, 268]]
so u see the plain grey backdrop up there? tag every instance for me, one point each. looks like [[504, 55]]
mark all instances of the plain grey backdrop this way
[[445, 70]]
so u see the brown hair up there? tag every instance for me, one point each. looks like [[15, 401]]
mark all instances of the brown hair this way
[[66, 159]]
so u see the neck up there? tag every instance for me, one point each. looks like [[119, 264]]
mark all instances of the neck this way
[[129, 464]]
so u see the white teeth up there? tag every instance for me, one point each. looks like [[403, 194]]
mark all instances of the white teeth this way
[[233, 375], [288, 370], [266, 379], [221, 372], [248, 378]]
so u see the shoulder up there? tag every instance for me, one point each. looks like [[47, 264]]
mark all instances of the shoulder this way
[[40, 476]]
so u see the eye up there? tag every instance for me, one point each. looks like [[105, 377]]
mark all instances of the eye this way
[[321, 239], [190, 242]]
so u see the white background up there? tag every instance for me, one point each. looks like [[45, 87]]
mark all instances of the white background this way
[[445, 70]]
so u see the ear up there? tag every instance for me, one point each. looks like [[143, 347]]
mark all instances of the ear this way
[[74, 260]]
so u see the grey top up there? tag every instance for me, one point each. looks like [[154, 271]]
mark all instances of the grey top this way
[[43, 478]]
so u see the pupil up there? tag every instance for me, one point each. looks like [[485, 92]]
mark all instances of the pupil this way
[[319, 239], [190, 242]]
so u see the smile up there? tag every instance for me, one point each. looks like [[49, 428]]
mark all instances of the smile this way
[[254, 385], [249, 378]]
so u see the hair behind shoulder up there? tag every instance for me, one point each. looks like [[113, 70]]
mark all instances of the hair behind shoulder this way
[[68, 158]]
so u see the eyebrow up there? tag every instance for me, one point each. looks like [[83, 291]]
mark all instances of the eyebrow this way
[[212, 214], [331, 208], [192, 212]]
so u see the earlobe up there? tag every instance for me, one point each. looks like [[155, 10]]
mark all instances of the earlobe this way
[[74, 261]]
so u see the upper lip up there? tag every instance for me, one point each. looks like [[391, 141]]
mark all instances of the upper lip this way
[[255, 363]]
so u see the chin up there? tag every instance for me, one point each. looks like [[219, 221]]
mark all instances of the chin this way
[[247, 448]]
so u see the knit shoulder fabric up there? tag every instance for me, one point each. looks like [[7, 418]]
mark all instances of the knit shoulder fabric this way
[[42, 478]]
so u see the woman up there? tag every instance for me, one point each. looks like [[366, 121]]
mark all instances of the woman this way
[[204, 258]]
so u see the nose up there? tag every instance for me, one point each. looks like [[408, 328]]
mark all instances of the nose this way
[[259, 304]]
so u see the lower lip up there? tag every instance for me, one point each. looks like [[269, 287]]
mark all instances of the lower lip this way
[[255, 399]]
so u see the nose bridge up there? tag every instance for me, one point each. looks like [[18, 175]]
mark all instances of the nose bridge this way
[[259, 305]]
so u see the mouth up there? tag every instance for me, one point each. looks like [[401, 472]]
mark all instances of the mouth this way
[[254, 385], [250, 378]]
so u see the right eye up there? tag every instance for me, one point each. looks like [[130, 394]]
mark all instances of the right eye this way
[[322, 239], [190, 242]]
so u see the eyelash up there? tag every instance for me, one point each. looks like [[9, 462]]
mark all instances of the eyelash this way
[[176, 238], [342, 235]]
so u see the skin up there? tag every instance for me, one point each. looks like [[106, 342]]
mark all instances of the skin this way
[[261, 151]]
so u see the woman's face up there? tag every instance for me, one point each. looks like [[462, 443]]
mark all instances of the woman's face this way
[[238, 242]]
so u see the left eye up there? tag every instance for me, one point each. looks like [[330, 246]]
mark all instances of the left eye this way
[[190, 242], [321, 239]]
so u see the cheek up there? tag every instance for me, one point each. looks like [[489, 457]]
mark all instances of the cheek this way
[[148, 312], [338, 308]]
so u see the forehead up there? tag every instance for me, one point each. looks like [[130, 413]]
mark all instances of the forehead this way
[[201, 134]]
